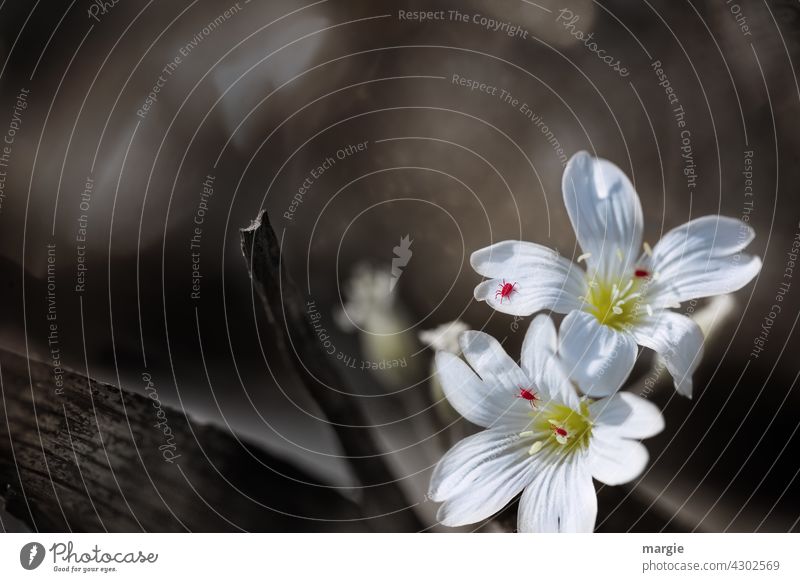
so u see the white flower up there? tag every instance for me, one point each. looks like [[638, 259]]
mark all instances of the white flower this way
[[623, 297], [369, 305], [541, 439], [444, 337], [384, 328]]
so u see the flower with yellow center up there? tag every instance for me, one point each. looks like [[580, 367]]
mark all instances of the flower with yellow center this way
[[540, 437], [625, 295]]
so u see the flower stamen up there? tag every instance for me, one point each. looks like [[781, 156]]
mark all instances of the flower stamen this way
[[536, 447], [617, 303], [559, 427]]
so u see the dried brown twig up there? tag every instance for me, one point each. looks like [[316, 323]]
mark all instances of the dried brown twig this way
[[286, 312]]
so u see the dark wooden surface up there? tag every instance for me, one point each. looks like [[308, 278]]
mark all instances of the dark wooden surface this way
[[88, 459]]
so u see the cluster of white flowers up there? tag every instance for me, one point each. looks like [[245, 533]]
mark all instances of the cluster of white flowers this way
[[558, 419]]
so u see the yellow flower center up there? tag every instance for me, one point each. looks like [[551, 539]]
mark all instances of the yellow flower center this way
[[616, 304], [560, 428]]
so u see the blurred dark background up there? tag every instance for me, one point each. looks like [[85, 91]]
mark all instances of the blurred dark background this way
[[265, 92]]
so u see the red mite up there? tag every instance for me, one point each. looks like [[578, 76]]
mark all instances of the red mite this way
[[641, 273], [504, 290], [529, 395], [559, 431]]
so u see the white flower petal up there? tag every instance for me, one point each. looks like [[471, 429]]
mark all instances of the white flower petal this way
[[539, 361], [488, 358], [598, 358], [605, 212], [489, 451], [678, 341], [511, 257], [480, 476], [480, 403], [540, 344], [627, 416], [614, 460], [700, 259], [541, 279], [561, 498]]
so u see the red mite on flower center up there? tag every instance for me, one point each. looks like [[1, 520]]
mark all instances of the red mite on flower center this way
[[559, 431], [641, 273], [504, 290]]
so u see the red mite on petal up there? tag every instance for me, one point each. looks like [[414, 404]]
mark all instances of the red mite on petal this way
[[560, 431], [529, 395], [641, 273], [504, 290]]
